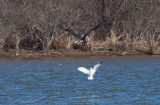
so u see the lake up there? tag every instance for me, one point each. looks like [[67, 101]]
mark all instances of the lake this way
[[119, 81]]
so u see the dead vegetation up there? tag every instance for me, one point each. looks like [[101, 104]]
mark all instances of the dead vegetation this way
[[49, 27]]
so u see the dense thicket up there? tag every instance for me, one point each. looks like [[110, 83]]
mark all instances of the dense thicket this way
[[127, 25]]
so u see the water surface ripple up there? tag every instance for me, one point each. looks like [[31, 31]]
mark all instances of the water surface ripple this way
[[120, 81]]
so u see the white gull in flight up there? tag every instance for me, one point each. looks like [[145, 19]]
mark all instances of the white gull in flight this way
[[90, 72]]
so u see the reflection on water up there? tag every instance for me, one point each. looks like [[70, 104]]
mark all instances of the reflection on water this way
[[121, 80]]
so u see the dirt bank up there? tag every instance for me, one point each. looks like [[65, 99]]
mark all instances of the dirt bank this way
[[26, 54]]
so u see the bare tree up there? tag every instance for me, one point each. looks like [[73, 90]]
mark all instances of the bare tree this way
[[125, 23], [17, 20], [3, 28], [46, 22], [142, 16]]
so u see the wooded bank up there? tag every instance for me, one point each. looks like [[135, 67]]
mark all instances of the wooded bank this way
[[56, 26]]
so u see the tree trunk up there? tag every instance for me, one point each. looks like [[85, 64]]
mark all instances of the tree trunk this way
[[49, 42], [17, 46]]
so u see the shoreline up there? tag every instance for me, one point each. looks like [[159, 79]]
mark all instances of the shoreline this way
[[67, 54]]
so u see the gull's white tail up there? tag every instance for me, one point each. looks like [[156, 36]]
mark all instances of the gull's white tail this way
[[90, 77], [90, 72]]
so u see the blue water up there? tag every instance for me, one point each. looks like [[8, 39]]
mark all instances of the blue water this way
[[119, 81]]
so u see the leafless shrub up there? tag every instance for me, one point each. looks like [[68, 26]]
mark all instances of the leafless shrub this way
[[54, 24]]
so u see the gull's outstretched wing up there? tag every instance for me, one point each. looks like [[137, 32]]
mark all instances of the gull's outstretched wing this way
[[97, 66], [84, 70]]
